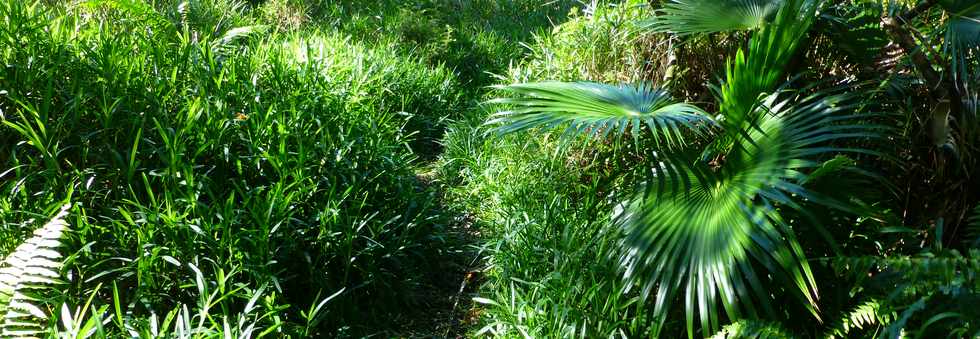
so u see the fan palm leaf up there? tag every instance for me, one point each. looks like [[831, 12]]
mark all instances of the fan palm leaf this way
[[962, 36], [707, 243], [685, 17], [598, 110], [713, 235], [964, 24], [759, 69]]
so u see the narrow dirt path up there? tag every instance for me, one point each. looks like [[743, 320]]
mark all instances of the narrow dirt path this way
[[445, 310]]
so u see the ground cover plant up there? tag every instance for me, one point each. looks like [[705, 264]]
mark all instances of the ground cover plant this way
[[227, 175], [470, 168]]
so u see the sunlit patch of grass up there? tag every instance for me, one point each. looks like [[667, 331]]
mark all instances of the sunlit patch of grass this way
[[276, 167]]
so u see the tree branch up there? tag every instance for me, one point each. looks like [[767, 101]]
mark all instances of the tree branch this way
[[903, 38], [940, 88]]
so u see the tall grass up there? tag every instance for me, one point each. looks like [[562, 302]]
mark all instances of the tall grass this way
[[476, 38], [262, 172], [550, 268]]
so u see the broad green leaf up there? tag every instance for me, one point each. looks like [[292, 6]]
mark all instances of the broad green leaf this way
[[684, 17], [721, 243], [594, 109]]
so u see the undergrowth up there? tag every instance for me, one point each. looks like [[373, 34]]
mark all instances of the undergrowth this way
[[252, 161], [322, 168]]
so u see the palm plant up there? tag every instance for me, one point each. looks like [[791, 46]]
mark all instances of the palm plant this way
[[707, 227], [941, 41]]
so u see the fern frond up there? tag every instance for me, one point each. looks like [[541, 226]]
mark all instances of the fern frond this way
[[863, 316], [855, 29], [751, 329], [32, 267], [929, 271]]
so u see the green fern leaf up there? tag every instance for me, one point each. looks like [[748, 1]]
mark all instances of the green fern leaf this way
[[32, 267], [751, 329]]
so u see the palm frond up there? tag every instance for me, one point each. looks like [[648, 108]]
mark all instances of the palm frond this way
[[685, 17], [702, 246], [33, 266], [962, 38], [759, 69], [960, 7], [964, 24], [855, 29], [598, 109], [706, 235]]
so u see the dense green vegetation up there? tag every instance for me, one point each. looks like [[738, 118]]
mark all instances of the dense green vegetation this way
[[513, 168]]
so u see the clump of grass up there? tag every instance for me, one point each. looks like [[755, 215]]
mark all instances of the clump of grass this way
[[598, 43], [251, 168], [422, 99], [285, 15], [474, 38], [210, 160]]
